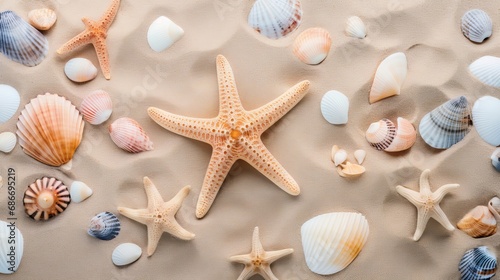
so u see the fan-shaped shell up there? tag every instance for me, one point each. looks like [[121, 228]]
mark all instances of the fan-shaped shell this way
[[96, 107], [312, 45], [80, 70], [79, 191], [332, 241], [495, 159], [447, 124], [126, 253], [478, 263], [7, 142], [46, 198], [104, 226], [9, 102], [355, 27], [128, 135], [479, 222], [389, 77], [486, 116], [11, 239], [275, 18], [163, 33], [50, 129], [487, 70], [42, 19], [476, 25], [335, 107]]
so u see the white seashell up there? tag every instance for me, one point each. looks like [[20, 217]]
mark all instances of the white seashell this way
[[487, 70], [494, 207], [10, 236], [340, 157], [335, 149], [126, 253], [128, 135], [495, 159], [486, 117], [79, 191], [96, 107], [360, 156], [332, 241], [163, 33], [8, 141], [389, 77], [9, 102], [80, 70], [476, 25], [355, 27], [335, 107], [42, 19], [478, 263], [275, 18], [312, 45]]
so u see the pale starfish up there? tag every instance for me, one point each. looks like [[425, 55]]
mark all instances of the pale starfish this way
[[235, 134], [95, 33], [427, 203], [259, 261], [159, 217]]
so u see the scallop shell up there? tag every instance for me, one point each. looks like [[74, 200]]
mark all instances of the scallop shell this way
[[495, 159], [340, 157], [476, 25], [275, 18], [21, 42], [355, 28], [126, 253], [46, 198], [447, 124], [332, 241], [312, 45], [478, 263], [80, 70], [494, 207], [50, 129], [96, 107], [350, 170], [389, 77], [129, 136], [163, 33], [10, 236], [335, 107], [479, 222], [42, 19], [79, 191], [487, 70], [7, 142], [383, 135], [104, 226], [486, 116], [9, 102], [360, 156]]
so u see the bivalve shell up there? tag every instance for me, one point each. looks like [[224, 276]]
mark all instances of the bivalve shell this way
[[275, 18], [335, 107], [8, 141], [104, 226], [350, 170], [479, 222], [389, 77], [478, 263], [163, 33], [96, 107], [9, 102], [476, 25], [11, 243], [42, 19], [312, 45], [128, 135], [487, 70], [355, 28], [79, 191], [80, 70], [486, 116], [126, 253], [46, 198]]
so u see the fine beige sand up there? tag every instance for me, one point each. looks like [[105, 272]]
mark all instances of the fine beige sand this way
[[183, 80]]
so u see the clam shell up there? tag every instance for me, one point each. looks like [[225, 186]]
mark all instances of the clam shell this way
[[479, 222], [447, 124], [381, 134], [335, 107], [355, 28], [275, 18], [128, 135], [476, 25], [350, 170], [10, 236], [96, 107], [79, 191], [406, 135], [478, 263], [50, 129], [340, 157], [9, 102], [8, 141], [312, 45], [163, 33], [104, 226], [42, 19], [389, 77], [487, 70], [486, 116], [494, 207], [360, 156], [80, 70], [21, 42], [46, 198], [126, 253], [495, 159]]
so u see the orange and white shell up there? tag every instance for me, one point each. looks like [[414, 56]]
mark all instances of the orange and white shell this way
[[46, 198], [383, 135], [128, 135], [42, 19], [96, 107], [479, 222], [389, 77], [312, 45]]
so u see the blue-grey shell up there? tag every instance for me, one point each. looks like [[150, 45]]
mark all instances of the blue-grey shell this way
[[478, 263], [104, 226]]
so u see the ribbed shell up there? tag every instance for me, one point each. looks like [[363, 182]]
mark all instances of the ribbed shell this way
[[486, 116], [6, 238], [104, 226], [275, 18], [46, 198], [355, 27], [406, 135], [125, 254], [476, 25], [478, 263], [335, 107], [479, 222], [96, 107], [8, 141], [42, 19], [487, 70], [381, 134], [389, 77], [128, 135], [9, 102], [312, 45], [163, 33]]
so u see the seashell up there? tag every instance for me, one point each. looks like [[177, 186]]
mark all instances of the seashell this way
[[340, 157], [476, 25], [360, 156], [80, 70], [126, 253], [495, 159], [487, 70], [335, 149], [79, 191], [355, 28], [50, 129], [479, 222], [96, 107], [7, 142], [42, 19], [446, 125], [478, 263], [104, 226], [494, 207], [350, 170], [11, 243], [389, 77], [9, 102], [406, 135], [383, 135], [275, 18], [486, 116], [335, 107], [163, 33], [46, 198], [332, 241], [20, 41], [129, 136], [312, 45]]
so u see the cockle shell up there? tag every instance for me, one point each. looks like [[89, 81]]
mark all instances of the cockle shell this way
[[96, 107], [355, 27], [42, 19], [126, 253], [80, 70], [104, 226], [46, 198], [50, 129], [275, 18], [494, 207], [332, 241], [10, 236], [360, 156], [383, 135], [8, 141], [79, 191], [163, 33], [312, 45], [129, 136], [486, 116], [476, 25], [350, 170], [20, 41], [447, 124], [335, 107], [495, 159], [9, 102], [487, 70], [478, 263], [479, 222], [340, 157], [389, 77]]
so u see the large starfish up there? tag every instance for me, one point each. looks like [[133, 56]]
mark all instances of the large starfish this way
[[427, 203], [95, 33], [259, 261], [159, 217], [235, 134]]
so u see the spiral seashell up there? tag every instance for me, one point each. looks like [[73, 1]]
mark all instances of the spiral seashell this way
[[486, 116], [8, 141], [275, 18], [9, 102], [487, 70], [96, 107], [80, 70], [46, 198], [383, 135], [355, 28], [104, 226], [479, 222], [42, 19], [478, 263], [476, 25], [389, 77], [312, 45], [125, 254], [335, 107], [128, 135], [163, 33]]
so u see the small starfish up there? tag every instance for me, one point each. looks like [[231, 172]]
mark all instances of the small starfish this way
[[95, 33], [427, 203], [235, 134], [159, 217], [259, 261]]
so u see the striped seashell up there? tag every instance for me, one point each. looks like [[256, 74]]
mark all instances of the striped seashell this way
[[9, 102], [479, 222], [104, 226], [8, 141], [355, 28], [79, 191], [96, 107], [335, 107], [275, 18], [486, 116], [128, 135], [312, 45], [80, 70], [381, 134], [125, 254], [476, 25], [42, 19], [163, 33], [389, 77], [9, 236], [46, 198], [487, 70], [478, 263]]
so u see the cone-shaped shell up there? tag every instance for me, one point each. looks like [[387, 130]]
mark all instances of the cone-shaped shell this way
[[275, 18], [96, 107], [389, 77], [104, 226], [128, 135], [476, 25], [335, 107], [46, 198], [487, 70], [312, 45], [79, 191], [332, 241], [8, 141], [486, 116], [125, 254], [9, 102], [10, 236], [355, 28], [479, 222], [42, 19], [80, 70], [478, 263], [163, 33]]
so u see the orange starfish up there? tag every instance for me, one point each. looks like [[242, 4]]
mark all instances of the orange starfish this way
[[235, 134], [95, 33]]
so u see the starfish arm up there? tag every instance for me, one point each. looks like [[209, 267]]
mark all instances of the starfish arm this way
[[79, 40], [154, 197], [257, 248], [154, 235], [110, 14], [101, 50], [411, 195], [424, 181], [247, 272], [438, 215], [175, 229], [138, 215], [229, 100], [442, 191], [267, 273], [175, 203], [244, 259], [422, 219], [272, 256]]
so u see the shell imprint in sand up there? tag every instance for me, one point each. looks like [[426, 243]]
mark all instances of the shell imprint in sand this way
[[80, 70], [9, 102], [275, 18], [476, 25], [486, 117], [479, 222], [42, 19], [335, 107], [163, 33], [383, 135], [478, 263], [128, 135], [487, 70], [96, 107], [355, 28], [312, 45], [8, 141], [389, 77], [8, 234], [79, 191], [125, 254], [104, 226], [46, 198]]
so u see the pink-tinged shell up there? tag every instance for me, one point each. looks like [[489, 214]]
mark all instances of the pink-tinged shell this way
[[129, 136], [96, 107], [46, 198], [384, 135], [312, 45], [406, 135], [42, 19]]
